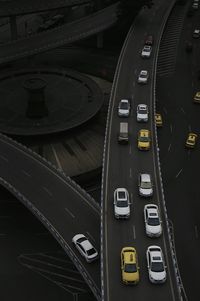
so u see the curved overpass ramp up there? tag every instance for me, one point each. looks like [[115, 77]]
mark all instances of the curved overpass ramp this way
[[22, 7], [123, 163], [59, 36], [61, 205]]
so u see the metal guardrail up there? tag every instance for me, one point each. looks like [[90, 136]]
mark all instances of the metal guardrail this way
[[181, 291], [55, 169], [55, 234], [111, 103]]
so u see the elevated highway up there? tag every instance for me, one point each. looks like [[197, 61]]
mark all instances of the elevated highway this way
[[123, 163], [61, 205], [23, 7], [59, 36]]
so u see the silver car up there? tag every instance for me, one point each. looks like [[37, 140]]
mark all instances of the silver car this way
[[143, 77], [142, 113], [85, 247], [156, 265], [152, 220], [145, 185], [121, 203]]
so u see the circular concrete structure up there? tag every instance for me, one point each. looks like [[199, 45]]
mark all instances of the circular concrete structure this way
[[71, 99]]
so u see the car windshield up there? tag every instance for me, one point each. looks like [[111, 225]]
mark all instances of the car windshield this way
[[146, 185], [157, 267], [130, 268], [91, 251], [143, 75], [142, 111], [121, 195], [81, 239], [144, 139], [122, 203], [153, 221], [124, 105]]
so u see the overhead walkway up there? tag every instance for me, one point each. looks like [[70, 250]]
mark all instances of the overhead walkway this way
[[23, 7], [61, 205], [59, 36]]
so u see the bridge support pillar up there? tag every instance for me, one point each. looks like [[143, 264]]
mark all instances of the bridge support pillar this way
[[100, 40], [36, 103], [13, 27]]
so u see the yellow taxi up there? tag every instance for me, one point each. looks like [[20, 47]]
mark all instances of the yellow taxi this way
[[144, 139], [129, 265], [158, 120], [197, 97], [191, 140]]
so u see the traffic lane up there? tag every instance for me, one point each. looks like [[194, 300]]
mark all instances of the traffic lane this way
[[125, 72], [131, 233], [33, 190], [134, 228], [180, 167]]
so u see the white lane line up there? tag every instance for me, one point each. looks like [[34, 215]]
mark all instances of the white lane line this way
[[130, 150], [3, 158], [179, 172], [26, 173], [182, 110], [130, 173], [90, 236], [56, 157], [47, 190], [171, 128], [196, 231], [70, 213], [131, 198], [134, 232], [169, 147]]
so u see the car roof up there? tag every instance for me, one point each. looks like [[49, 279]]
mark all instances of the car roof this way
[[86, 245], [142, 105], [124, 100], [144, 132], [130, 256], [145, 177]]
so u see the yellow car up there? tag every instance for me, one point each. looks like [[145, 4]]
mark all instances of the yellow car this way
[[158, 119], [197, 97], [144, 139], [129, 265], [191, 140]]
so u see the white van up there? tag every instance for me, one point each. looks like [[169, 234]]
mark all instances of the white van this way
[[123, 132]]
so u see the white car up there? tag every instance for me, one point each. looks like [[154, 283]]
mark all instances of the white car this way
[[85, 247], [124, 108], [195, 5], [196, 33], [146, 51], [156, 265], [152, 220], [121, 203], [142, 113], [143, 77], [145, 185]]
